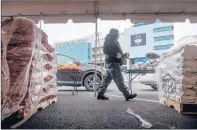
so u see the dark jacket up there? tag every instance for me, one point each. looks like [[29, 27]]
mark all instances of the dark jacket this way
[[112, 47]]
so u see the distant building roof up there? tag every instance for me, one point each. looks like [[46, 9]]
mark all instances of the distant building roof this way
[[143, 23]]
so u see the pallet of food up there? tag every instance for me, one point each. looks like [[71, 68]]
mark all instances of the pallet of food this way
[[23, 70], [177, 76]]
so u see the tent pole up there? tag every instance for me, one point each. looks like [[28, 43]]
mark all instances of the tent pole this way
[[100, 59], [96, 35], [40, 20]]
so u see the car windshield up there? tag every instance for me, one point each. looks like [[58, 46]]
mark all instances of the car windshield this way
[[62, 59]]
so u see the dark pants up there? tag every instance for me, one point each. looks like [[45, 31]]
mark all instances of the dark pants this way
[[114, 72]]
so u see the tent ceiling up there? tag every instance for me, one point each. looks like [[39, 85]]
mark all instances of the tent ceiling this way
[[59, 11]]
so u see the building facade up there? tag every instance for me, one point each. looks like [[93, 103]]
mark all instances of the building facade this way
[[79, 49], [158, 38], [138, 40]]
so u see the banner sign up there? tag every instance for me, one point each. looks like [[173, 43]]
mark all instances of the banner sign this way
[[138, 40], [162, 47], [86, 39]]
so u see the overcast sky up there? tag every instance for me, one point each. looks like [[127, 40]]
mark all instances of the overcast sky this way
[[71, 31]]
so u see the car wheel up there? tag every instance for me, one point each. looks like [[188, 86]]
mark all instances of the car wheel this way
[[154, 87], [88, 82]]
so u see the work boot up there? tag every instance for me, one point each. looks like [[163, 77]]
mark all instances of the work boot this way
[[102, 97], [131, 96]]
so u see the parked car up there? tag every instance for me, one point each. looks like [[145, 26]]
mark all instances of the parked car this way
[[148, 79], [84, 78]]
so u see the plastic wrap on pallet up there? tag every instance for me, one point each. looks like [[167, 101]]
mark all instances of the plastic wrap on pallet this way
[[49, 89], [177, 72], [45, 57], [45, 46], [19, 38], [28, 66], [49, 67]]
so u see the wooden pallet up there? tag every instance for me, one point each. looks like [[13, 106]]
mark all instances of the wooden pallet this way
[[51, 101], [17, 118], [46, 103], [185, 108], [42, 105]]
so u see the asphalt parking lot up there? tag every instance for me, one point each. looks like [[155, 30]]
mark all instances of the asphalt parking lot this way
[[84, 111]]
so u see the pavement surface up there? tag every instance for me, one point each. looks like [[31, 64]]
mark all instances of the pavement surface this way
[[83, 111]]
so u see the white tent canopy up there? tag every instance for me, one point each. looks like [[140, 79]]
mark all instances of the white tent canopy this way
[[60, 11]]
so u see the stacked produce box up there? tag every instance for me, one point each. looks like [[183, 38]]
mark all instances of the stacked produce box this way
[[18, 41], [49, 69], [22, 68], [177, 72]]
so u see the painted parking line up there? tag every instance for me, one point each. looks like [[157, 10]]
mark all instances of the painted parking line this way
[[135, 98]]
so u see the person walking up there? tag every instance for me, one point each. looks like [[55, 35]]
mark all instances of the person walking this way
[[114, 58]]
